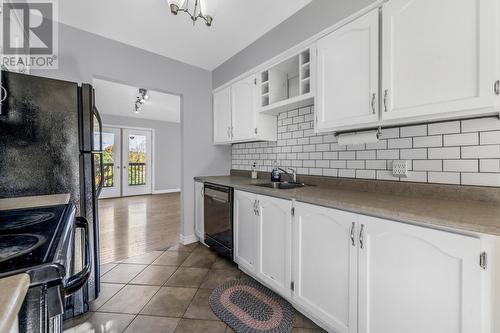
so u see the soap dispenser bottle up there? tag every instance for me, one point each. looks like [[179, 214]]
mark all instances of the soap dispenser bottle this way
[[275, 174]]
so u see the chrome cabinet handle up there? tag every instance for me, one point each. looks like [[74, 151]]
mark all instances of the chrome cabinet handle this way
[[497, 87], [228, 131], [256, 131], [386, 92], [232, 131], [257, 208], [361, 237], [374, 96], [352, 234]]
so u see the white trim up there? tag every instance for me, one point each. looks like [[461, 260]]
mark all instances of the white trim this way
[[186, 240], [301, 46], [173, 190]]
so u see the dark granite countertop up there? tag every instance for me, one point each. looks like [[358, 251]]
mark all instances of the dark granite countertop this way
[[457, 213]]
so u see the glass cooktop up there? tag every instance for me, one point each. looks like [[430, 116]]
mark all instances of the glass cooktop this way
[[26, 236]]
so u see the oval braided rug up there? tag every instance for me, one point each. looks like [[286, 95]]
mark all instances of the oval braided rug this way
[[247, 306]]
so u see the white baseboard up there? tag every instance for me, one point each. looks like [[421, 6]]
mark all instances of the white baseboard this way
[[167, 191], [185, 240]]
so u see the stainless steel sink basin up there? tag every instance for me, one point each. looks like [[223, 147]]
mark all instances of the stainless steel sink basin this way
[[282, 185]]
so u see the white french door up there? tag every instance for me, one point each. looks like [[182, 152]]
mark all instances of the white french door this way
[[136, 162], [127, 162], [111, 145]]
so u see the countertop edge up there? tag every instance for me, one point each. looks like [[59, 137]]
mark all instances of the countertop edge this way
[[403, 217], [13, 291]]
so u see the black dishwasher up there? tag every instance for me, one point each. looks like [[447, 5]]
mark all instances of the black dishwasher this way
[[218, 202]]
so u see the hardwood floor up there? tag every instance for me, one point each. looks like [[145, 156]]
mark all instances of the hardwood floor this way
[[132, 226]]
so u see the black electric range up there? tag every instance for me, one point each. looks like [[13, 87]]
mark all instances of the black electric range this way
[[40, 242]]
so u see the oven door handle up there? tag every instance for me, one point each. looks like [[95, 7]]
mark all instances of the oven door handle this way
[[77, 281]]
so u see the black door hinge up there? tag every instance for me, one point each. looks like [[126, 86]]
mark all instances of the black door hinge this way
[[293, 211], [483, 260], [292, 286]]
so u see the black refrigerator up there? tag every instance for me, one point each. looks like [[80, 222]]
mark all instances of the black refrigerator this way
[[51, 143]]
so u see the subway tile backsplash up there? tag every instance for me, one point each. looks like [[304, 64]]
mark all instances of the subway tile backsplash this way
[[465, 152]]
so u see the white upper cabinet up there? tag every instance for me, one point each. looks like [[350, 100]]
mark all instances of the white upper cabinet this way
[[438, 59], [236, 118], [243, 101], [348, 75], [245, 229], [274, 238], [222, 115], [415, 280], [325, 260]]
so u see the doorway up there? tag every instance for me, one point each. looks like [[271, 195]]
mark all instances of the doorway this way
[[127, 161]]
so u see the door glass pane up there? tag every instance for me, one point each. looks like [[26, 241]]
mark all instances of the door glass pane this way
[[97, 135], [137, 160], [108, 146]]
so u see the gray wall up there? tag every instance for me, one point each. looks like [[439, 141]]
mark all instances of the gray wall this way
[[83, 55], [167, 148], [313, 18]]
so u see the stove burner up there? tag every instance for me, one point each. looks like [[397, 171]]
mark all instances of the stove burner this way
[[19, 219], [16, 245]]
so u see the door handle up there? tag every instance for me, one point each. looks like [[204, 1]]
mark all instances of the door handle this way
[[353, 241], [361, 237], [77, 281], [386, 92], [374, 96]]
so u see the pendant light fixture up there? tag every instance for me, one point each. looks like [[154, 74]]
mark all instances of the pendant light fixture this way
[[204, 9]]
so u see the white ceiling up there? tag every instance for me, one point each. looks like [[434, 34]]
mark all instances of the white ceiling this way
[[148, 24], [118, 99]]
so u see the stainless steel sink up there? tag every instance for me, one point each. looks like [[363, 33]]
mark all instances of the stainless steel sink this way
[[282, 185]]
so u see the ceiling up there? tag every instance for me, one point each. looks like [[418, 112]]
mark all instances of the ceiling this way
[[118, 99], [149, 25]]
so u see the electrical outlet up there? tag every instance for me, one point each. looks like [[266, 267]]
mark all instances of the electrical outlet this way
[[400, 168]]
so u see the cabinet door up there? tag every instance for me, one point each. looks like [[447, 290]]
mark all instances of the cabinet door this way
[[274, 243], [325, 265], [415, 280], [199, 211], [222, 116], [243, 97], [245, 228], [348, 74], [438, 58]]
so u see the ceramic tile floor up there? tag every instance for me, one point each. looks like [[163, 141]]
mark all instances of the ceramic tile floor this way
[[163, 291]]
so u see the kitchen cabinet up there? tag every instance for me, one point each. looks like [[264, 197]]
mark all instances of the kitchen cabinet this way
[[288, 84], [243, 103], [354, 273], [325, 261], [199, 211], [245, 230], [414, 279], [437, 65], [348, 75], [274, 238], [222, 116], [236, 118]]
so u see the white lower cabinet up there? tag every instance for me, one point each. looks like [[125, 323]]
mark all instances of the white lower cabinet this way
[[245, 230], [199, 225], [414, 279], [357, 274], [325, 258], [274, 237]]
